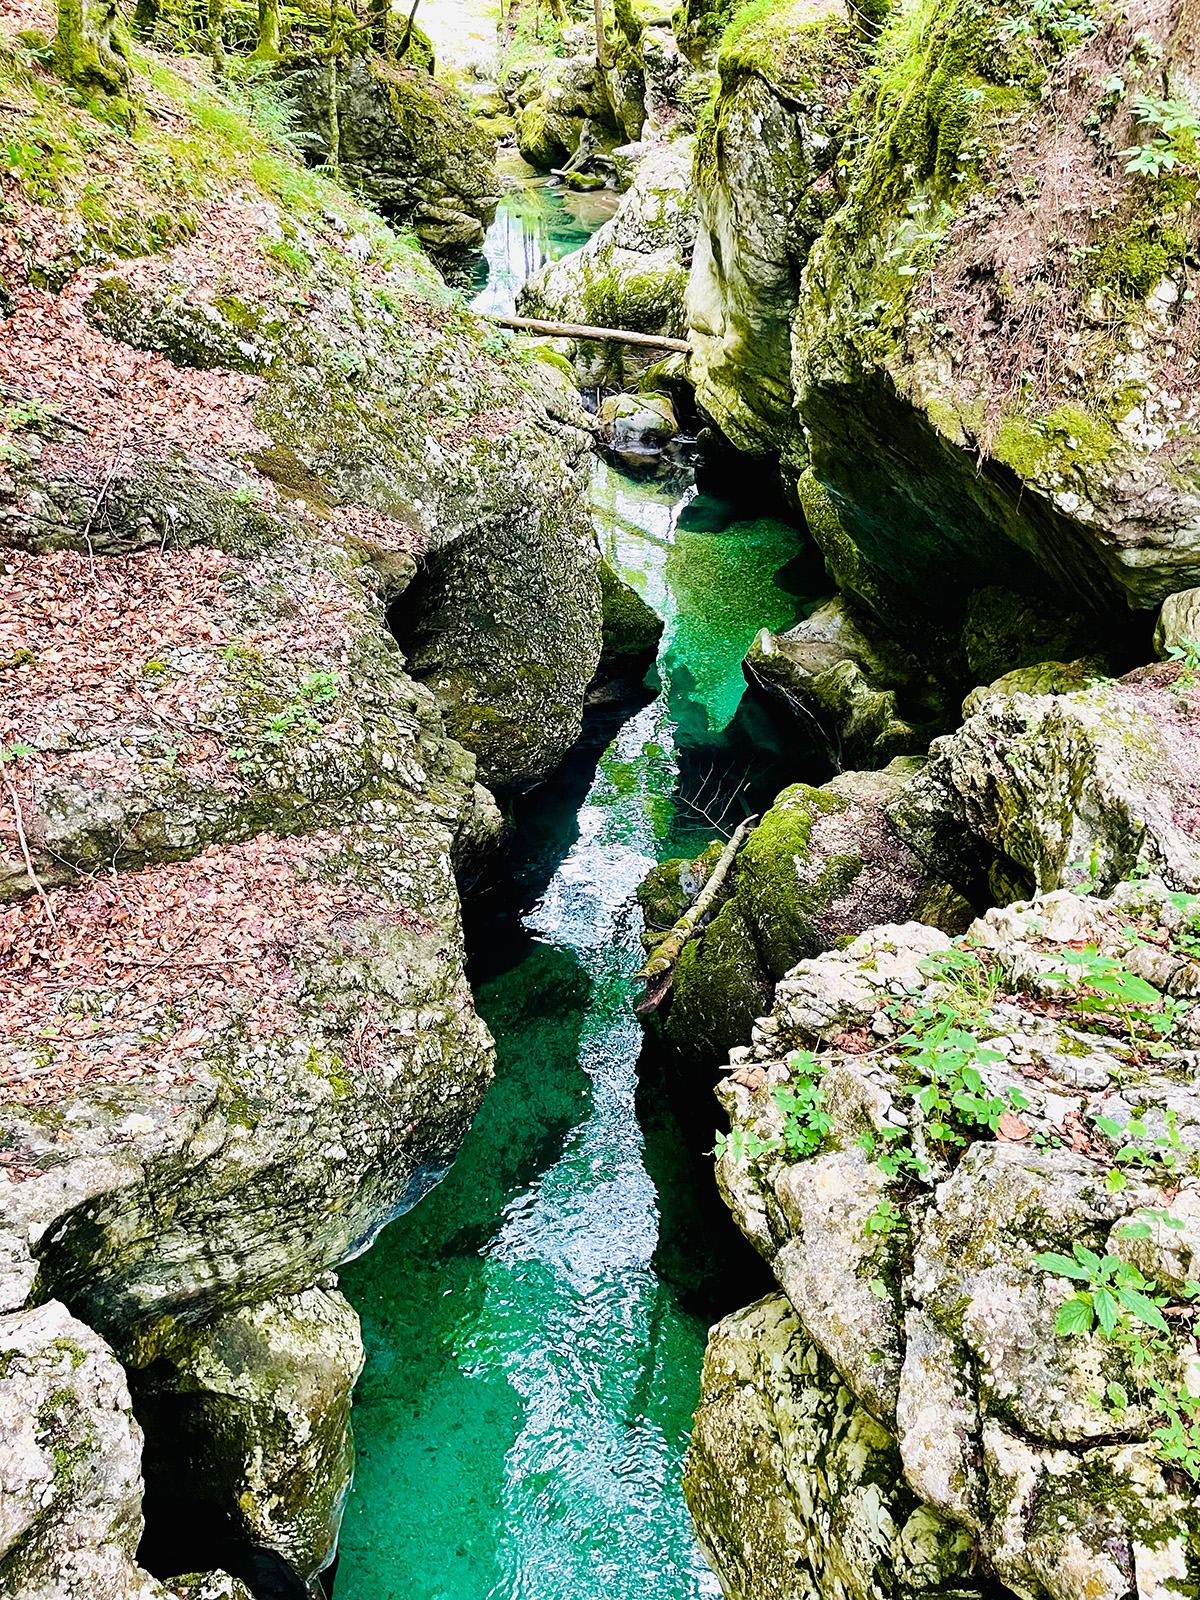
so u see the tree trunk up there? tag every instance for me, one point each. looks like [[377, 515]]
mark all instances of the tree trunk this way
[[603, 54], [267, 48], [335, 125], [378, 12], [216, 22], [1183, 56], [90, 55], [659, 972]]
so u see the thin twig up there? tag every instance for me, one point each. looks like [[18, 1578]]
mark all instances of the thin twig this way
[[33, 877], [108, 478]]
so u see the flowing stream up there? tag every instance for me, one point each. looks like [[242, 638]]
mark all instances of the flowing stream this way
[[535, 1327]]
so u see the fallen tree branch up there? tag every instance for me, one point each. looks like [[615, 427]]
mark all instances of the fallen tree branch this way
[[576, 330], [658, 974]]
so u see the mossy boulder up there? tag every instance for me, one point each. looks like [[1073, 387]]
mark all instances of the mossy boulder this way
[[247, 1425], [1046, 677], [630, 630], [1178, 626], [773, 131], [1079, 789], [822, 865], [545, 138], [849, 1526], [407, 142], [631, 273]]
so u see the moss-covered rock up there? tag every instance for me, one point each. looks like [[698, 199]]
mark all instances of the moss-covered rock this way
[[247, 1426], [785, 74], [1078, 789], [631, 273], [1046, 677], [822, 865], [841, 1519], [71, 1464], [981, 414], [630, 630], [406, 141]]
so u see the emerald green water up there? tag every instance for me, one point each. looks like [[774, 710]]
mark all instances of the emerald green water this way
[[536, 222], [535, 1327]]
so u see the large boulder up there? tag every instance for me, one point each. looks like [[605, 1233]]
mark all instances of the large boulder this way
[[632, 272], [247, 1425], [928, 1248], [407, 142], [822, 865], [795, 1489], [785, 77], [70, 1484], [914, 306], [1036, 791]]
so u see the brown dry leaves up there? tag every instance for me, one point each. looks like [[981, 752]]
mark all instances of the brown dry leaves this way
[[143, 970]]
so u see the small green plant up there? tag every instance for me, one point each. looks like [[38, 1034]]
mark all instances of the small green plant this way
[[1136, 1147], [1175, 145], [1114, 1290], [1188, 652], [805, 1120], [885, 1219], [1105, 988]]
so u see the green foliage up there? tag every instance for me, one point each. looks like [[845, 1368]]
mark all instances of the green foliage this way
[[1106, 989], [1115, 1290], [1136, 1147], [1188, 652], [805, 1120], [1175, 146], [1061, 22], [1178, 1435]]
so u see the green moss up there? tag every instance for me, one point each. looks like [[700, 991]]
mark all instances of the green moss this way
[[1065, 437], [630, 627], [1134, 260], [719, 989], [776, 897]]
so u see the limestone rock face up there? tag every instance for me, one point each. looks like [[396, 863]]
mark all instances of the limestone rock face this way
[[934, 1290], [247, 1423], [408, 143], [504, 626], [794, 1488], [783, 87], [1029, 438], [239, 1037], [632, 272], [1075, 789]]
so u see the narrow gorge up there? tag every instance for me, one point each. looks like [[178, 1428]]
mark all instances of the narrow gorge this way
[[599, 800]]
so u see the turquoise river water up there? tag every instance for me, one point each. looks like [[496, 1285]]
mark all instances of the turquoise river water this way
[[535, 1327]]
